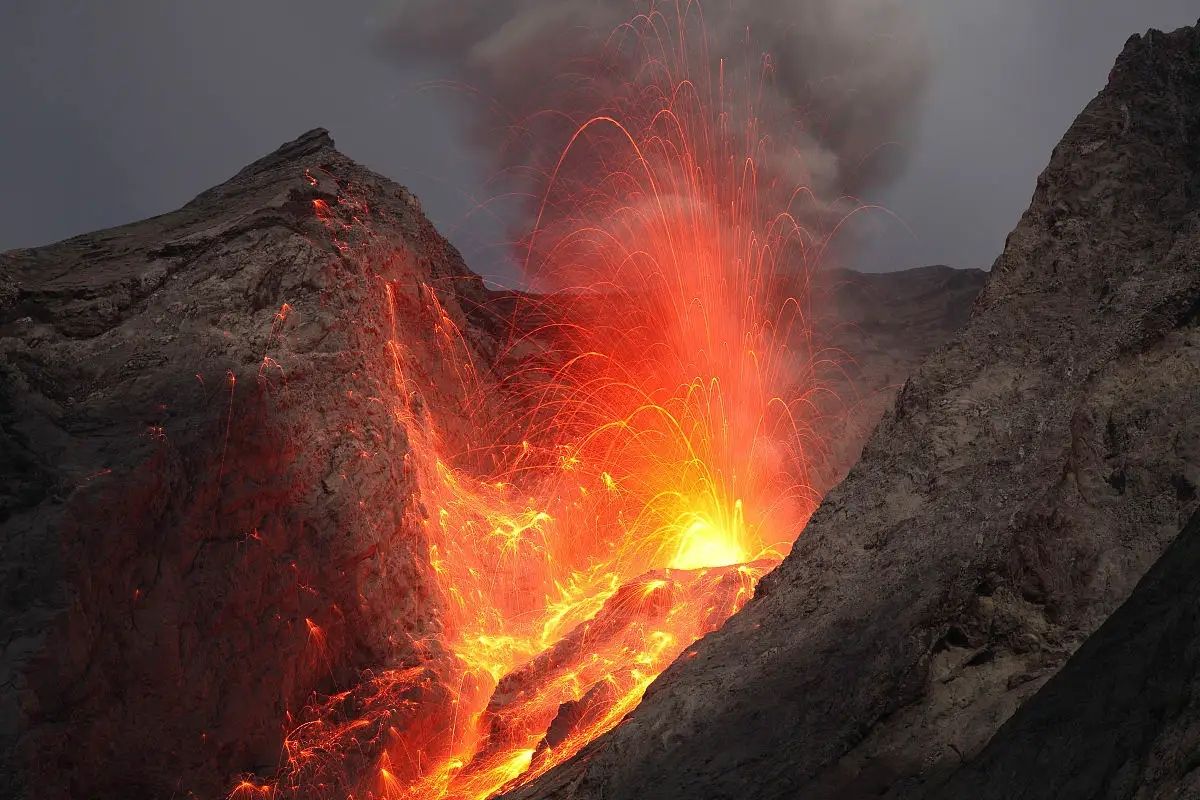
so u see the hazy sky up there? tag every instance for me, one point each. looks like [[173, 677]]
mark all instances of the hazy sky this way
[[119, 110]]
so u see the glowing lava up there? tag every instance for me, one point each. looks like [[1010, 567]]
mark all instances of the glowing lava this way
[[652, 446], [705, 544]]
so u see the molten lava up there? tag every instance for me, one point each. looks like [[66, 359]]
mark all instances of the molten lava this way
[[649, 462]]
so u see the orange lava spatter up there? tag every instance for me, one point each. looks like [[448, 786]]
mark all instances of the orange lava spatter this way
[[657, 466]]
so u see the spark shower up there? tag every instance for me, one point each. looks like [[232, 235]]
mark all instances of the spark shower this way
[[645, 461]]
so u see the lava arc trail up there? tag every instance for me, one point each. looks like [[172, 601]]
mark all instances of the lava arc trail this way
[[658, 464]]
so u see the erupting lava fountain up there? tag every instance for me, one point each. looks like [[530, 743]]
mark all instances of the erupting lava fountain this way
[[660, 465]]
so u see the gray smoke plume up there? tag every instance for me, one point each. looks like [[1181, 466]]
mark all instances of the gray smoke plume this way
[[841, 91]]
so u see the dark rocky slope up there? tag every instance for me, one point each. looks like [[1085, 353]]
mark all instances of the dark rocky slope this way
[[1122, 717], [1028, 475], [207, 513]]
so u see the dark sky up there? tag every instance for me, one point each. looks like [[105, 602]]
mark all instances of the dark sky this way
[[119, 110]]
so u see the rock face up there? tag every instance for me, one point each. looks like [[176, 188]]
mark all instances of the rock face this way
[[1027, 476], [876, 330], [208, 509], [1122, 717]]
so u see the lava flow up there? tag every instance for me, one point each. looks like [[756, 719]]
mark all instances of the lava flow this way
[[656, 465]]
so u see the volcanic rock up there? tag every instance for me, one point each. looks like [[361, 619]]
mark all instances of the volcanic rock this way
[[874, 330], [1122, 717], [1027, 476], [207, 511]]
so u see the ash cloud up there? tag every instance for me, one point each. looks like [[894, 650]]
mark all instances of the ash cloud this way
[[842, 92]]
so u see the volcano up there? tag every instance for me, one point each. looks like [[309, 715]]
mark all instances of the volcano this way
[[296, 506], [216, 548]]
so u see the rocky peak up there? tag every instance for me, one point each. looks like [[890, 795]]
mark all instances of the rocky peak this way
[[205, 516]]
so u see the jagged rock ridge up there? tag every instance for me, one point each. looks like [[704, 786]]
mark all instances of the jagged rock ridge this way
[[1028, 475]]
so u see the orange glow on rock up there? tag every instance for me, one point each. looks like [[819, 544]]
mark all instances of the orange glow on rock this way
[[649, 461]]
